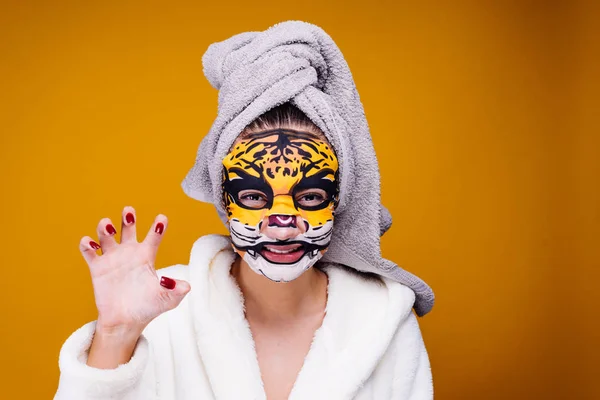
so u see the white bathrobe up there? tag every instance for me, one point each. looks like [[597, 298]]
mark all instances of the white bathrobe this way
[[368, 347]]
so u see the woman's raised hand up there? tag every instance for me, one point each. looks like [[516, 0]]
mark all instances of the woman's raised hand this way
[[128, 292]]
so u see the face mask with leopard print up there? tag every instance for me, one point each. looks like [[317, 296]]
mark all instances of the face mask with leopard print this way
[[280, 191]]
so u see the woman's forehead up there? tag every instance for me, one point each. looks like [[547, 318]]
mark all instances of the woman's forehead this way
[[279, 147]]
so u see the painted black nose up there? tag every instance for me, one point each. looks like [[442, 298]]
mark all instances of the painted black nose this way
[[282, 221]]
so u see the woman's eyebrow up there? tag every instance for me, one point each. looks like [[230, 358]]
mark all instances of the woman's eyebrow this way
[[245, 176], [319, 180]]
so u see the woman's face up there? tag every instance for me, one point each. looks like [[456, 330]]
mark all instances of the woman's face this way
[[280, 190]]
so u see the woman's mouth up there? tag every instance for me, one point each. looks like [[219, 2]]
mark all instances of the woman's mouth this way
[[282, 253]]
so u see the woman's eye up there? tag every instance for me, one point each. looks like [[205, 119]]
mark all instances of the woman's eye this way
[[311, 199], [253, 199]]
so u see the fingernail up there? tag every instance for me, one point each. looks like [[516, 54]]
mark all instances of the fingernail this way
[[110, 229], [159, 228], [167, 282], [129, 218], [94, 245]]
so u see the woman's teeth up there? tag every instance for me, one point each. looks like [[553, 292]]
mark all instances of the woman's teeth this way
[[275, 249]]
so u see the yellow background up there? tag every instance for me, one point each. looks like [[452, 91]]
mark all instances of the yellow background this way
[[483, 116]]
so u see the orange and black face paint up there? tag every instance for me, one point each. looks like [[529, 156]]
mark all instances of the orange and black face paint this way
[[280, 175]]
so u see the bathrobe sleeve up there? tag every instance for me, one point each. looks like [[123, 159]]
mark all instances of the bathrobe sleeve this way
[[133, 380], [412, 373]]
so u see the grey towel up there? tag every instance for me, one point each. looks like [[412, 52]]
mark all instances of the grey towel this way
[[298, 62]]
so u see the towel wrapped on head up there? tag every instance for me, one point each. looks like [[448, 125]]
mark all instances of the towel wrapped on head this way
[[298, 62]]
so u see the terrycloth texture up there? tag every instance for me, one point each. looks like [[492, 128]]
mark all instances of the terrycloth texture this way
[[298, 62], [369, 346]]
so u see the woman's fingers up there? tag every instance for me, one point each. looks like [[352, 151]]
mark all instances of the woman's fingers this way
[[173, 291], [157, 230], [128, 228], [88, 248], [106, 235]]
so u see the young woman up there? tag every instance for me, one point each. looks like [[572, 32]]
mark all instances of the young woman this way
[[296, 302]]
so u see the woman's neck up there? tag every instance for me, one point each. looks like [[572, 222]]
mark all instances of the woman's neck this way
[[270, 301]]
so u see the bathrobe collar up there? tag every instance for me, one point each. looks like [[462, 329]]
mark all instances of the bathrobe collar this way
[[361, 319]]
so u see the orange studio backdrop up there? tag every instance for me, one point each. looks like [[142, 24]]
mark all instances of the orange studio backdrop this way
[[484, 116]]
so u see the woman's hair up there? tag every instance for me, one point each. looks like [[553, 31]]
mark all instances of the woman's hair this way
[[285, 115]]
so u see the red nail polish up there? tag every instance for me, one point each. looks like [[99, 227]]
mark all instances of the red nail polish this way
[[167, 282], [129, 218], [159, 228], [110, 229], [94, 245]]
